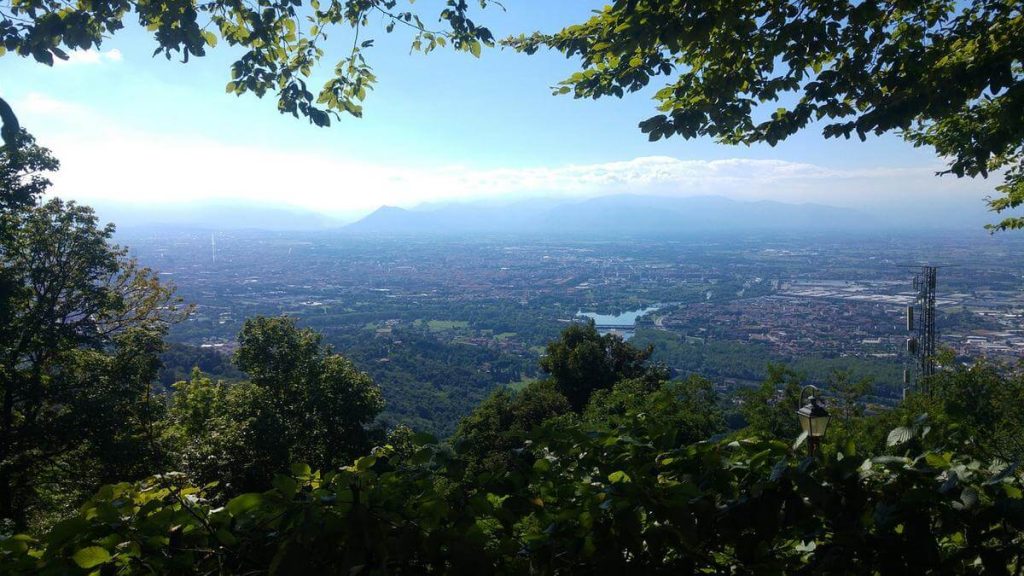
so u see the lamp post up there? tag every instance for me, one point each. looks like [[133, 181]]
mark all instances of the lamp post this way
[[813, 417]]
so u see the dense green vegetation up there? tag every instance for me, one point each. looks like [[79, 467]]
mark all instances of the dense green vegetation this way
[[430, 384], [582, 362], [624, 486], [301, 403], [178, 360], [81, 326], [747, 361]]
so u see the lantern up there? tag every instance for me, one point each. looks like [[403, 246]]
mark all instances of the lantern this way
[[813, 417]]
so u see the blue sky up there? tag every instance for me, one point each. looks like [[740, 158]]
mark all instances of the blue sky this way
[[136, 129]]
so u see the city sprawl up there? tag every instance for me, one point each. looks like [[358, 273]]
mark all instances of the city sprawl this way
[[461, 316]]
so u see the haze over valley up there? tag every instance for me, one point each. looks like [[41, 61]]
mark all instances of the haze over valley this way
[[613, 214]]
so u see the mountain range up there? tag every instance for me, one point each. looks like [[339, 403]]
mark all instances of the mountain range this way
[[619, 214], [622, 214]]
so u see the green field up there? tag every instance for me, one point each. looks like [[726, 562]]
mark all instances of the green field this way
[[442, 325]]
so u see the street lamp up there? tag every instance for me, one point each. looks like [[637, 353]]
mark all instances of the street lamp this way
[[813, 418]]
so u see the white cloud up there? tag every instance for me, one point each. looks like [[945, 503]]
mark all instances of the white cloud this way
[[90, 56], [102, 160], [47, 106]]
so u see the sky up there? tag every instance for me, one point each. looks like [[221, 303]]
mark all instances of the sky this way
[[137, 130]]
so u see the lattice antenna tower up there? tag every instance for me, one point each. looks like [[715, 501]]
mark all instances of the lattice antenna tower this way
[[921, 326]]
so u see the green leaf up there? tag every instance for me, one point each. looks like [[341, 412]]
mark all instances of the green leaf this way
[[210, 38], [899, 436], [91, 556], [422, 456], [243, 503], [474, 48], [937, 460], [64, 532], [365, 463], [619, 477], [495, 500], [226, 537], [285, 485]]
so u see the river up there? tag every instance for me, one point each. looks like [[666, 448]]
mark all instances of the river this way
[[621, 324]]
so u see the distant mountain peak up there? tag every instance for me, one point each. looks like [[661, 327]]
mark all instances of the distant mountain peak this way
[[619, 214]]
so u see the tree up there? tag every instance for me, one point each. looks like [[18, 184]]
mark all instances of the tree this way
[[981, 405], [682, 411], [848, 395], [770, 409], [581, 361], [23, 180], [23, 177], [846, 405], [322, 403], [491, 438], [281, 42], [222, 432], [78, 349], [943, 74], [179, 360], [9, 127]]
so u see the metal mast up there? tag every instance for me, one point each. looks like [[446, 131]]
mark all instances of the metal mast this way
[[922, 342]]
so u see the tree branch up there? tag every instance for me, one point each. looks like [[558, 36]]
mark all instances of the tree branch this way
[[11, 128]]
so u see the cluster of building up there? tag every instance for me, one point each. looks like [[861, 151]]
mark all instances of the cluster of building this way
[[822, 296]]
